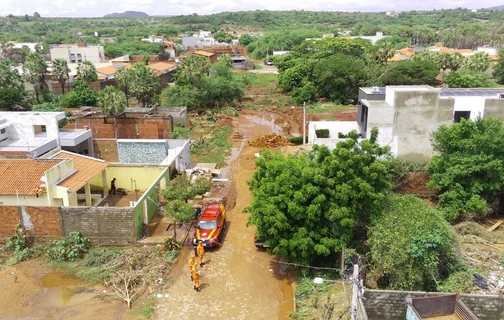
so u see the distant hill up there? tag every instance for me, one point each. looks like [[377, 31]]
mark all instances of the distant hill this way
[[497, 8], [127, 14]]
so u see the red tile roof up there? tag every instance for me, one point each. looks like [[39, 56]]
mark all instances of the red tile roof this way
[[86, 167], [22, 176]]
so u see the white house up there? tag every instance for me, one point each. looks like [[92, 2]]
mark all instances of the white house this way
[[77, 53], [36, 133]]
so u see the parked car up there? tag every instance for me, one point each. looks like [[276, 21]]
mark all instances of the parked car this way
[[211, 226], [268, 63], [260, 243]]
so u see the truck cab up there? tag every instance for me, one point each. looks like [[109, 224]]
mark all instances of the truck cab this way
[[211, 226]]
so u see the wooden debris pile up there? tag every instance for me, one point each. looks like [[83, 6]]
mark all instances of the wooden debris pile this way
[[269, 141]]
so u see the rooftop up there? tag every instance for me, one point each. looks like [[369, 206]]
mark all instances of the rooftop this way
[[204, 53], [86, 167], [22, 176], [445, 92]]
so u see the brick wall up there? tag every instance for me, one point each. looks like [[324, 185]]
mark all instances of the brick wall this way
[[100, 224], [391, 305], [9, 218], [106, 149], [127, 128], [46, 221]]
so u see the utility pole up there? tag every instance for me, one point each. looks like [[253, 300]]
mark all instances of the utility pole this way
[[304, 126], [355, 292]]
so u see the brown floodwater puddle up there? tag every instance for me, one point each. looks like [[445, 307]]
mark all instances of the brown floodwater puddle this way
[[60, 287]]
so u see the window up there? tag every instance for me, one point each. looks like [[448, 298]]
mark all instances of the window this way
[[79, 58], [72, 58], [40, 130], [2, 131], [461, 115]]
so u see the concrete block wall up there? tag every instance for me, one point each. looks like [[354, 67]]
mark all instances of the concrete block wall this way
[[100, 224], [391, 305]]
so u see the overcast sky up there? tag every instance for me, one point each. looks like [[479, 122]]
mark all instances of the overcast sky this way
[[98, 8]]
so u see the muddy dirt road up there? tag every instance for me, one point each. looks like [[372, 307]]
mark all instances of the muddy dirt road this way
[[238, 281], [32, 291]]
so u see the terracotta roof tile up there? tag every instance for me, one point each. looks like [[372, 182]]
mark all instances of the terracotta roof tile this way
[[86, 167], [160, 66], [22, 175]]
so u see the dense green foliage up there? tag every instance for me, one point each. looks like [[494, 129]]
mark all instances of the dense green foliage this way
[[132, 47], [498, 72], [310, 206], [412, 246], [111, 101], [180, 188], [468, 170], [466, 78], [70, 248], [200, 86], [81, 95], [10, 98], [179, 211], [411, 72], [144, 85]]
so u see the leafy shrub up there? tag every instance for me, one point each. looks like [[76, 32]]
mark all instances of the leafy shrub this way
[[170, 244], [322, 133], [19, 256], [230, 111], [412, 246], [100, 256], [342, 135], [20, 240], [201, 186], [297, 140], [70, 248], [458, 282]]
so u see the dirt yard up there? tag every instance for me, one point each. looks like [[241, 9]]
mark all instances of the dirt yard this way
[[37, 292]]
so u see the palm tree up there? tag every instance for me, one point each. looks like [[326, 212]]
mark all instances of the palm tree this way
[[87, 72], [145, 85], [124, 78], [36, 69], [192, 69], [61, 70], [478, 62], [112, 102]]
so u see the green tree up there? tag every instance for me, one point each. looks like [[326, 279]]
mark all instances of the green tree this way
[[226, 60], [411, 72], [180, 188], [191, 70], [339, 77], [35, 72], [62, 71], [145, 86], [245, 39], [498, 72], [179, 212], [310, 206], [111, 101], [10, 98], [9, 77], [86, 71], [82, 95], [466, 78], [124, 78], [468, 170], [411, 246], [478, 62]]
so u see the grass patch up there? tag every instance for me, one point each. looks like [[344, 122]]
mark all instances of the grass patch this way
[[258, 66], [314, 301], [324, 107], [215, 148], [145, 308], [259, 80]]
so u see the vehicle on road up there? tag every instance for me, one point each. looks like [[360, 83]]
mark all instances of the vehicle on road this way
[[260, 243], [211, 226], [268, 63]]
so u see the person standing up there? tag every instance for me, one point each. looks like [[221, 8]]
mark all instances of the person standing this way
[[196, 282], [192, 265], [113, 186], [201, 252]]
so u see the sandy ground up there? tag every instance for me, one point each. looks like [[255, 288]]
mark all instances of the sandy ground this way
[[238, 281], [32, 291], [266, 69]]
